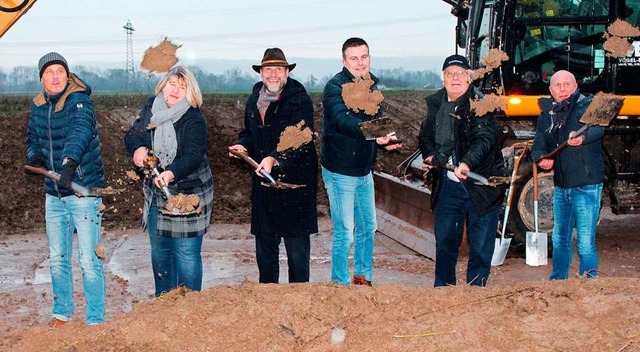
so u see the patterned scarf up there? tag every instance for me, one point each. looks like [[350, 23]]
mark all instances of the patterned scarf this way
[[165, 142], [559, 113], [265, 98]]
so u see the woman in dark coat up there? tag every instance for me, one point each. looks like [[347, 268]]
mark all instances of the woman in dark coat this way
[[288, 210], [173, 127]]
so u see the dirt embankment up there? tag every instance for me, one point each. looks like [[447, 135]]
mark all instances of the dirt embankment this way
[[22, 198]]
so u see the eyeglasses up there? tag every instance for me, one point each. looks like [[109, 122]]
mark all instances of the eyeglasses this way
[[451, 74]]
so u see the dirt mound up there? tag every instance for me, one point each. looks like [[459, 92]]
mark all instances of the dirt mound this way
[[602, 313], [556, 316]]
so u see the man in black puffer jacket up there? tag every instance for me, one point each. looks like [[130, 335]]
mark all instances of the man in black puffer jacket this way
[[63, 137], [347, 159], [279, 110], [452, 134]]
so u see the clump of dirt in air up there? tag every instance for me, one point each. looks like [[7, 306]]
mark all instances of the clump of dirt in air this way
[[358, 96], [490, 102], [160, 58], [617, 43], [492, 60], [184, 204], [294, 137], [133, 175]]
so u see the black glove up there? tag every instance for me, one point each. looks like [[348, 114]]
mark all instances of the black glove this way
[[35, 161], [68, 171]]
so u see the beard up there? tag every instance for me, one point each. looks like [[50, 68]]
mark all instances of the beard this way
[[275, 88]]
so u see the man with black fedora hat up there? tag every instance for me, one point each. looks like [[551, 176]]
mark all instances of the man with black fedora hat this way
[[452, 133], [278, 103], [62, 136]]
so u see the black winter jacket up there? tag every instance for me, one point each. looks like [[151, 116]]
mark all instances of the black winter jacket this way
[[574, 166], [64, 126], [344, 148], [476, 144], [286, 212]]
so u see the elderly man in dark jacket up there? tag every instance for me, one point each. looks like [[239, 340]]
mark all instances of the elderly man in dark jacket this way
[[578, 173], [452, 134], [62, 136], [278, 113]]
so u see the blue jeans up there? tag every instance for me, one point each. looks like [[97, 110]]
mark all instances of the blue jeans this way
[[353, 211], [175, 261], [579, 208], [453, 207], [63, 216], [268, 258]]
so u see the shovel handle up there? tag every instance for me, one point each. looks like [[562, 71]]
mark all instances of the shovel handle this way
[[554, 153], [253, 164], [78, 189]]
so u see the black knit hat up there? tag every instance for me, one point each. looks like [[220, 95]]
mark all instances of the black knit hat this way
[[457, 60], [52, 58], [273, 57]]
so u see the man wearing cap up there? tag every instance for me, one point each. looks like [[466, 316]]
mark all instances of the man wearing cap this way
[[453, 134], [347, 160], [277, 134], [62, 136]]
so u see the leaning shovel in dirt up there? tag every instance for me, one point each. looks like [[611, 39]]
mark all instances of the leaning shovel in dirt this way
[[254, 165], [78, 189], [502, 243], [604, 108], [536, 252]]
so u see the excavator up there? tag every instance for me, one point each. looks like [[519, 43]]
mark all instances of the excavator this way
[[11, 11], [540, 37]]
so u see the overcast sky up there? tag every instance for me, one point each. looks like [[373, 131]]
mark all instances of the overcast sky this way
[[92, 30]]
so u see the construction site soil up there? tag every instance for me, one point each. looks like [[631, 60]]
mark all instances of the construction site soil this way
[[519, 310]]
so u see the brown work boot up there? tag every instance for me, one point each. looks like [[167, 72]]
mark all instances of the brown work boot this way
[[56, 323], [360, 280]]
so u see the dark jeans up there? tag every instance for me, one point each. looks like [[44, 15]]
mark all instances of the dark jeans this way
[[268, 257], [454, 205]]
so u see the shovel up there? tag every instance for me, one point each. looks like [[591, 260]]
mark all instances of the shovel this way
[[603, 108], [502, 243], [254, 165], [536, 243], [78, 189]]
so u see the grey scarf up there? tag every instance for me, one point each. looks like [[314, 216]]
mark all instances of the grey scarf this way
[[266, 97], [165, 143]]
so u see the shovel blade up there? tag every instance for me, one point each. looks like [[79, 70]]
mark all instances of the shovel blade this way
[[500, 251], [536, 249]]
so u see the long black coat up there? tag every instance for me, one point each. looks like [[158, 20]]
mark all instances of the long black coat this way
[[476, 144], [286, 212]]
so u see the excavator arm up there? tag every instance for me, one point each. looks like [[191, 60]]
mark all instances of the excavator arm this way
[[11, 11]]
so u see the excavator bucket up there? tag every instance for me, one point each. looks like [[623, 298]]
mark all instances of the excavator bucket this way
[[403, 208], [11, 11]]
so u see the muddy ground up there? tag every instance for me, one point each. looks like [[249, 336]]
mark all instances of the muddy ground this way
[[520, 310]]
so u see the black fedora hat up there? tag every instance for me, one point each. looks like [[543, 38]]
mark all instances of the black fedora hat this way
[[273, 57]]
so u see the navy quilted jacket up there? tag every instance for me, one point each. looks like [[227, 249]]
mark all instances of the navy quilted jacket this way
[[344, 148], [64, 125]]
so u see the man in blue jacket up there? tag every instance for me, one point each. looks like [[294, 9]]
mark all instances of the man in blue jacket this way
[[578, 173], [62, 136], [347, 158]]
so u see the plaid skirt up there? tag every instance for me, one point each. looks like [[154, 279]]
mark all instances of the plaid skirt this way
[[184, 225]]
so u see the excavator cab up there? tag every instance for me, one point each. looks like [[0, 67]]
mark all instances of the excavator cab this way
[[11, 11]]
